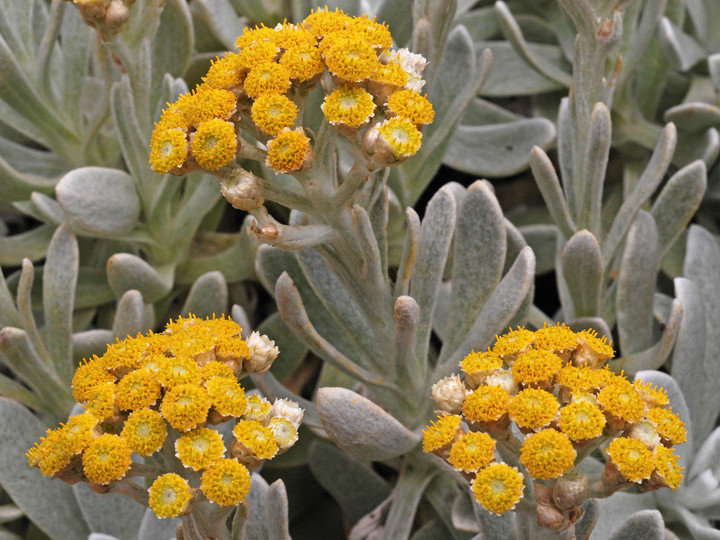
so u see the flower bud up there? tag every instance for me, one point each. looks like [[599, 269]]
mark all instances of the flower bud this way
[[570, 490], [243, 190], [449, 394], [262, 353], [117, 14], [289, 410]]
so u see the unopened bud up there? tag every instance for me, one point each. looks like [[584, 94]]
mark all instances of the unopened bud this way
[[449, 394], [570, 490], [243, 190], [284, 431], [262, 353], [289, 410], [117, 14]]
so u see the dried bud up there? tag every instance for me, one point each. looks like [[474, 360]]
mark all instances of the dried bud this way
[[243, 190], [117, 14], [570, 490], [449, 394], [262, 353], [646, 432]]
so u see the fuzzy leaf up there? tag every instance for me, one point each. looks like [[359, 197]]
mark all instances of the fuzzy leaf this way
[[90, 342], [207, 297], [584, 527], [361, 428], [549, 184], [172, 45], [681, 49], [99, 200], [395, 14], [32, 244], [643, 525], [499, 149], [126, 271], [694, 117], [636, 285], [267, 513], [50, 505], [129, 315], [582, 268], [221, 19], [655, 356], [707, 457], [153, 528], [110, 514], [617, 509]]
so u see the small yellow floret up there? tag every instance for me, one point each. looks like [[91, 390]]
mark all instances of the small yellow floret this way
[[555, 338], [199, 448], [509, 345], [441, 432], [185, 406], [215, 368], [145, 431], [256, 438], [351, 58], [622, 401], [254, 35], [214, 144], [288, 36], [533, 408], [226, 482], [206, 103], [486, 403], [482, 363], [125, 354], [176, 370], [473, 451], [596, 349], [652, 396], [169, 495], [288, 151], [284, 432], [376, 34], [168, 150], [79, 431], [581, 420], [401, 136], [411, 105], [666, 466], [172, 118], [632, 458], [101, 401], [669, 426], [303, 62], [258, 408], [89, 374], [267, 78], [577, 379], [348, 106], [259, 52], [52, 453], [225, 73], [535, 366], [107, 458], [227, 396], [322, 22], [391, 73], [273, 112], [137, 390], [498, 487], [547, 454]]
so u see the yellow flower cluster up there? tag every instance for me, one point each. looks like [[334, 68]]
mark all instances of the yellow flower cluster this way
[[553, 385], [156, 395], [265, 85]]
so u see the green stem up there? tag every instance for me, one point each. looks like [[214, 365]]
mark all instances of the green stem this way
[[47, 44]]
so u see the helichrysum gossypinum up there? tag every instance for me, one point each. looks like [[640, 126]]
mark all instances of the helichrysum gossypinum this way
[[158, 393], [553, 386], [372, 96]]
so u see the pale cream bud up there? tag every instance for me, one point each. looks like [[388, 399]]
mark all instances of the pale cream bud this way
[[289, 410], [504, 379], [449, 394], [262, 353], [645, 432], [284, 431], [117, 14], [243, 190]]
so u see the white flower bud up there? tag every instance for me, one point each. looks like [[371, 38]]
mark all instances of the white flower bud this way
[[289, 410], [504, 379], [243, 190], [284, 431], [262, 353], [646, 432], [449, 394]]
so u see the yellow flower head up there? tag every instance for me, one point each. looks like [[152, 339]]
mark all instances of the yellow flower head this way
[[376, 34], [284, 432], [176, 370], [669, 426], [169, 495], [472, 451], [185, 406], [145, 431], [482, 363], [259, 52], [536, 366], [253, 35], [652, 396], [558, 338], [351, 58], [267, 78], [226, 482], [227, 396], [547, 454], [79, 431], [581, 420], [498, 487], [348, 106], [168, 150], [288, 36], [125, 354], [592, 350], [215, 368], [107, 458], [441, 432], [256, 439], [89, 374], [137, 390], [214, 144], [206, 103], [632, 458], [391, 73], [411, 105], [622, 401], [225, 73], [101, 401], [666, 466], [172, 118], [577, 379], [52, 453], [273, 112], [486, 404], [322, 22], [288, 151], [199, 448], [533, 408], [258, 409], [401, 136], [303, 62], [510, 345]]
